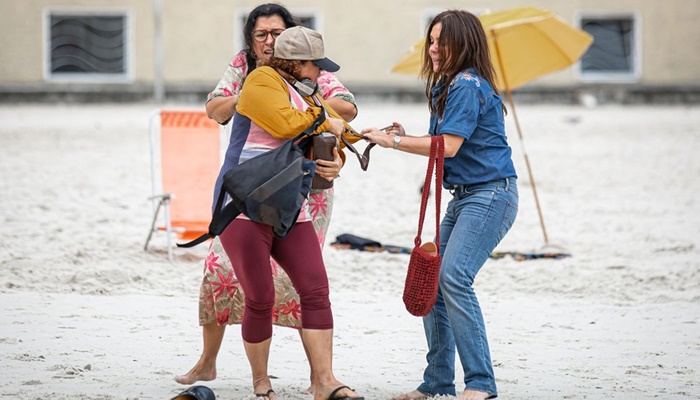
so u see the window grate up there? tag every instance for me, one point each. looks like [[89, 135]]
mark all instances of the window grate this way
[[87, 44], [614, 53]]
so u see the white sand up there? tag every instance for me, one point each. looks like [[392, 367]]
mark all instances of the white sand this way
[[87, 314]]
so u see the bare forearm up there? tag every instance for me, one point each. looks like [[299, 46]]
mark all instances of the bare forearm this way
[[221, 109], [421, 144], [344, 108], [412, 144]]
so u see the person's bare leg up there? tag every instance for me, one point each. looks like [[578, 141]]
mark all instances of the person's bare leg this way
[[258, 356], [312, 386], [414, 395], [205, 369], [473, 395], [319, 344]]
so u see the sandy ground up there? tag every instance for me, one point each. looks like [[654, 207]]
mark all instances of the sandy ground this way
[[86, 314]]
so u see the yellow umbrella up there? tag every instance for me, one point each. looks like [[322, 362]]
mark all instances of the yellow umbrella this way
[[410, 64], [532, 42], [525, 43]]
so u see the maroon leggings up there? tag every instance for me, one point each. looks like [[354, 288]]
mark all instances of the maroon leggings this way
[[249, 245]]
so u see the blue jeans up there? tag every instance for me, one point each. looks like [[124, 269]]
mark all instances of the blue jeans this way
[[477, 218]]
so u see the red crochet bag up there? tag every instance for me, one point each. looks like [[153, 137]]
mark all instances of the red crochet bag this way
[[421, 287]]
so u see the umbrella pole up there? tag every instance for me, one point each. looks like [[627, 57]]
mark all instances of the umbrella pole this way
[[529, 169], [520, 135]]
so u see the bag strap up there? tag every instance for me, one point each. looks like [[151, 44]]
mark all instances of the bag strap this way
[[362, 158], [314, 125], [223, 215], [303, 140], [437, 155]]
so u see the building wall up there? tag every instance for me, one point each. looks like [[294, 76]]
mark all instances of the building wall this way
[[22, 34], [366, 37]]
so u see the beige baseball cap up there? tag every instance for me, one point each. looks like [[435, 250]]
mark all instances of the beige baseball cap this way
[[302, 43]]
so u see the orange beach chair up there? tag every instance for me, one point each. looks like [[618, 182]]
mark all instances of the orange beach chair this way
[[186, 155]]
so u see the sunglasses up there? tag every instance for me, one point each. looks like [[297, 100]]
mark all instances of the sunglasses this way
[[261, 35]]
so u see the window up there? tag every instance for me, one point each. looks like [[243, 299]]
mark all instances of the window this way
[[614, 53], [308, 20], [92, 47]]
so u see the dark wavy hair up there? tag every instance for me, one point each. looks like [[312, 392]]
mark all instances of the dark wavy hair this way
[[263, 10], [462, 45]]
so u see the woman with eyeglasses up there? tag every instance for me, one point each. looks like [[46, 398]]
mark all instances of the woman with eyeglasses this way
[[262, 26], [467, 111], [221, 300]]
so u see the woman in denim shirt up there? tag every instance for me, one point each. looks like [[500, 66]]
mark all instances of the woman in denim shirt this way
[[467, 111]]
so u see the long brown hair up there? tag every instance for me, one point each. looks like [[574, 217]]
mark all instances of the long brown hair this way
[[462, 45]]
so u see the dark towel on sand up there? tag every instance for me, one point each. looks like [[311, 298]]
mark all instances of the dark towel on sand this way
[[348, 241], [356, 242]]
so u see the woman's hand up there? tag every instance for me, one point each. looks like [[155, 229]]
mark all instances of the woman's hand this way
[[374, 135], [337, 126], [395, 129], [329, 170]]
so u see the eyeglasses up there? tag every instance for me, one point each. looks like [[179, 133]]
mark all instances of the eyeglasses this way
[[261, 36]]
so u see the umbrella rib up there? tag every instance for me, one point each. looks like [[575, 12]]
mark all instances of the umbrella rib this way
[[521, 21]]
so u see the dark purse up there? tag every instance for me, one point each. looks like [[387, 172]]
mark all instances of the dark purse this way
[[269, 188], [421, 287], [322, 149]]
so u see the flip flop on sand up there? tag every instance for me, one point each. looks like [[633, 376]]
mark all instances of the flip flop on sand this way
[[265, 395], [196, 393], [338, 389]]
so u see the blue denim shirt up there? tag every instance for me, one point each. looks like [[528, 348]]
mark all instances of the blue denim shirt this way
[[473, 111]]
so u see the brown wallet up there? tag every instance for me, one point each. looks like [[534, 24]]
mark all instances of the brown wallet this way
[[322, 148]]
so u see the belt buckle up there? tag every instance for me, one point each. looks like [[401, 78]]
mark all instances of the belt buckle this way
[[458, 189]]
